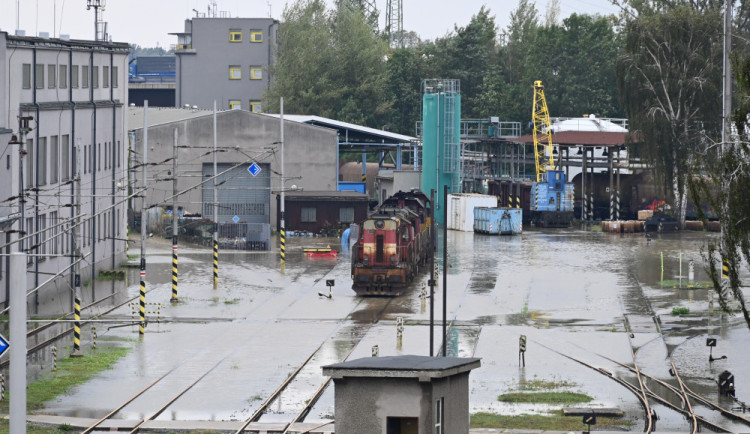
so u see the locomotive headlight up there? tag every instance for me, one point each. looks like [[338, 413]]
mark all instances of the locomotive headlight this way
[[394, 259], [366, 260]]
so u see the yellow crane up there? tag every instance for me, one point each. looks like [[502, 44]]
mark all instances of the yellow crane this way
[[542, 134]]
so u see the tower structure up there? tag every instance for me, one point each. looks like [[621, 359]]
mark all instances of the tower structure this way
[[100, 27], [368, 8], [394, 23], [441, 138]]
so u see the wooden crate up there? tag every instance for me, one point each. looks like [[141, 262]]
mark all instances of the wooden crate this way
[[645, 214]]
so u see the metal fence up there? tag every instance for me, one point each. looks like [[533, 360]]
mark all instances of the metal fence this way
[[245, 236]]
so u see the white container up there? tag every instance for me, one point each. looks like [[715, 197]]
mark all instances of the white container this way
[[461, 209]]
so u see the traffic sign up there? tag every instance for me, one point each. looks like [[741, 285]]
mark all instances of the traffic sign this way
[[4, 345], [235, 219], [254, 169], [710, 342]]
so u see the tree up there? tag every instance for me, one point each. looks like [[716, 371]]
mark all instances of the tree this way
[[724, 188], [669, 78]]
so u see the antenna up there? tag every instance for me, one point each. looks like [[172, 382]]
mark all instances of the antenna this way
[[98, 25]]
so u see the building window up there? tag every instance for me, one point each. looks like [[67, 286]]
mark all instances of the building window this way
[[63, 76], [439, 417], [105, 76], [26, 73], [43, 237], [256, 73], [115, 79], [235, 72], [235, 104], [118, 153], [95, 77], [65, 157], [346, 214], [98, 159], [42, 167], [255, 106], [54, 160], [29, 241], [74, 76], [308, 215], [54, 248], [29, 163], [84, 76], [235, 35], [51, 76], [256, 35], [40, 76]]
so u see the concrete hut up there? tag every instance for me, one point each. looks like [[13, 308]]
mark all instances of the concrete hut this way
[[402, 395]]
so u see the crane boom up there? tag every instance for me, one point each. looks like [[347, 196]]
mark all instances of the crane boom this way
[[542, 133]]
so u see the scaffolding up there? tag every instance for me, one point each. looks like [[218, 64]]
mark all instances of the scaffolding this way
[[394, 23]]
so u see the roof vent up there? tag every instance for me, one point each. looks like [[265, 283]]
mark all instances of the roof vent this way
[[20, 32], [65, 37], [44, 35]]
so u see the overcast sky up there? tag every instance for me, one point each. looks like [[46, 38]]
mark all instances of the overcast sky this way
[[148, 22]]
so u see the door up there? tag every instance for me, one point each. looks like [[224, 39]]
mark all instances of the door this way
[[402, 425]]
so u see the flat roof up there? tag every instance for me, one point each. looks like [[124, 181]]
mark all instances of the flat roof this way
[[582, 138], [333, 195], [359, 129], [409, 366]]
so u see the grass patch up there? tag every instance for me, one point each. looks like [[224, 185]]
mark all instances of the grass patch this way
[[232, 301], [111, 275], [561, 398], [687, 285], [595, 228], [552, 422], [132, 257], [541, 384], [679, 311], [71, 372]]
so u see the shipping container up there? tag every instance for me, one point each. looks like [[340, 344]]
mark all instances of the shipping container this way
[[498, 221], [461, 209]]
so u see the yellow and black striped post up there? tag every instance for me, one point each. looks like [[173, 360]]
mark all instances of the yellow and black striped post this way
[[54, 359], [142, 304], [282, 239], [725, 268], [77, 327], [174, 270], [518, 201], [617, 205], [2, 387], [93, 335], [611, 205], [216, 264]]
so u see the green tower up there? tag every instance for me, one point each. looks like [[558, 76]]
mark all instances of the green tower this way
[[441, 139]]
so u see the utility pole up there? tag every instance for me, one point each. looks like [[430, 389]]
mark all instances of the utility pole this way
[[216, 212], [282, 229], [725, 126], [445, 267], [433, 274], [77, 243], [17, 321], [174, 219], [144, 223], [23, 130]]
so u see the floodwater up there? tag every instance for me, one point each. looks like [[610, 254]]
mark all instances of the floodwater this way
[[572, 293]]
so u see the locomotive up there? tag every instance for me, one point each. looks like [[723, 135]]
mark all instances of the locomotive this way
[[394, 242]]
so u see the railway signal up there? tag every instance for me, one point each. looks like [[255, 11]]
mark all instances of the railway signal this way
[[711, 343], [589, 419], [522, 350], [329, 283]]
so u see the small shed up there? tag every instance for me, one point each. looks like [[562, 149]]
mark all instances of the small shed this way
[[322, 212], [402, 395]]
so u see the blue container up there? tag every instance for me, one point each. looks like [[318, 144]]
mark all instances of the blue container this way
[[498, 221]]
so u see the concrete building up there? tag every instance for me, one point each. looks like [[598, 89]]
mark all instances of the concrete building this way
[[402, 395], [224, 60], [72, 94], [243, 138]]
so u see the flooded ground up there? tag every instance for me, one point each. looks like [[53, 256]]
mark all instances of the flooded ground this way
[[572, 293]]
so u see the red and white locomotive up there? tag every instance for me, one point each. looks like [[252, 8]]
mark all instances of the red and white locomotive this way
[[394, 242]]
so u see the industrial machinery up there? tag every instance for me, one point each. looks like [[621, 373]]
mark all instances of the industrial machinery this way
[[392, 245], [552, 196]]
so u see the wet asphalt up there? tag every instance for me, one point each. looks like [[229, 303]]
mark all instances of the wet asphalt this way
[[571, 292]]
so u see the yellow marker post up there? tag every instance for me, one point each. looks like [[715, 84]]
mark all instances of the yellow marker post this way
[[216, 264]]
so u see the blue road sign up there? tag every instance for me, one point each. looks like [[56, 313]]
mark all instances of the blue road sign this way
[[235, 219], [4, 345], [254, 169]]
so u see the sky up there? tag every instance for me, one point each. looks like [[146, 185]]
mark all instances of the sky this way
[[149, 22]]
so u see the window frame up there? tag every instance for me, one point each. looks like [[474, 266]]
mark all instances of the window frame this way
[[74, 78], [26, 76], [62, 76], [65, 158], [256, 106], [41, 170], [349, 210], [39, 75], [54, 160], [235, 72], [95, 77], [256, 70], [84, 76], [256, 35], [105, 76], [235, 104], [115, 78], [233, 33], [308, 214], [51, 76]]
